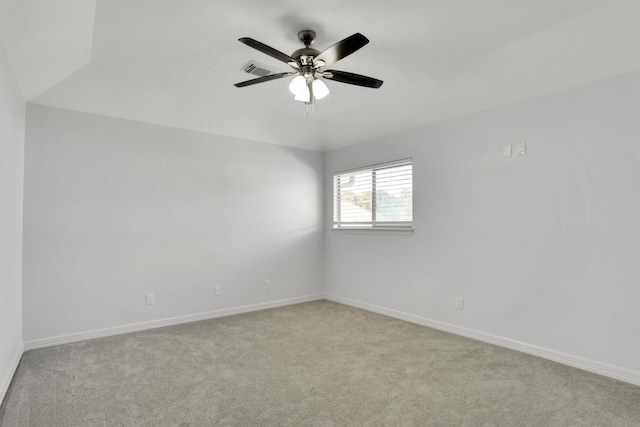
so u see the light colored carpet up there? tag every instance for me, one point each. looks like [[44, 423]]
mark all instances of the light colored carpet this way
[[313, 364]]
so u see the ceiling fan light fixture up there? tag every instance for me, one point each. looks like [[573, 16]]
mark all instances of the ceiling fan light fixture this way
[[320, 90], [308, 66]]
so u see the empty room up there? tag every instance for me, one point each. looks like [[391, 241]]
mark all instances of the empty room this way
[[336, 213]]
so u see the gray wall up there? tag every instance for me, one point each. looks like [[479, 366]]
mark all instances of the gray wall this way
[[544, 248], [12, 119], [116, 209]]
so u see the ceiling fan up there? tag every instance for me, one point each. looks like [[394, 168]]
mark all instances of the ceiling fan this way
[[309, 66]]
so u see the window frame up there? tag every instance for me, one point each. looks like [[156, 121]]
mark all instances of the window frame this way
[[373, 225]]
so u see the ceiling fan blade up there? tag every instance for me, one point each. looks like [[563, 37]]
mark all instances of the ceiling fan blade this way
[[342, 49], [263, 79], [352, 79], [267, 49]]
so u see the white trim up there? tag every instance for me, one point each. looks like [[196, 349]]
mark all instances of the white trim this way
[[374, 230], [593, 366], [152, 324], [383, 165], [6, 381]]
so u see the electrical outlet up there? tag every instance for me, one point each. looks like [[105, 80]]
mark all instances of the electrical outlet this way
[[218, 290], [459, 303], [506, 150], [521, 148], [267, 284], [151, 299]]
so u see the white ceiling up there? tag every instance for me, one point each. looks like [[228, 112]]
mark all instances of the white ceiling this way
[[174, 62]]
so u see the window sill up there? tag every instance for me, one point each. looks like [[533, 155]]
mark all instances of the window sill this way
[[374, 230]]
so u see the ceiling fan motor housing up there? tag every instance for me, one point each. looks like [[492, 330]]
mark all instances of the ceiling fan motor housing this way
[[305, 55]]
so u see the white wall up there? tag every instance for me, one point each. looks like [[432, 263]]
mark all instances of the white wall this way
[[116, 209], [544, 248], [12, 119]]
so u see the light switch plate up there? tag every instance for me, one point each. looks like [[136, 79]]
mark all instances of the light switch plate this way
[[521, 148], [506, 150]]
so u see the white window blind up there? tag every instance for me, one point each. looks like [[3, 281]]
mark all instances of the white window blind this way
[[379, 196]]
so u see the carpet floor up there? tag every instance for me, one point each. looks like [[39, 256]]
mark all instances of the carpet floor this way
[[312, 364]]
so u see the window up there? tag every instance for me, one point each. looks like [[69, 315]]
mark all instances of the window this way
[[376, 197]]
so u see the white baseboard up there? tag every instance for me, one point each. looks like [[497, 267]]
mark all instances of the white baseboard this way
[[556, 356], [610, 371], [6, 381], [152, 324]]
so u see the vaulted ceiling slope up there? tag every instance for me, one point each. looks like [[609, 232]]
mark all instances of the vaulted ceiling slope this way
[[174, 62]]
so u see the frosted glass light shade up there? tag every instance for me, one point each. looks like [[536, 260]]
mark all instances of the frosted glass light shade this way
[[304, 95], [320, 90], [298, 85]]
